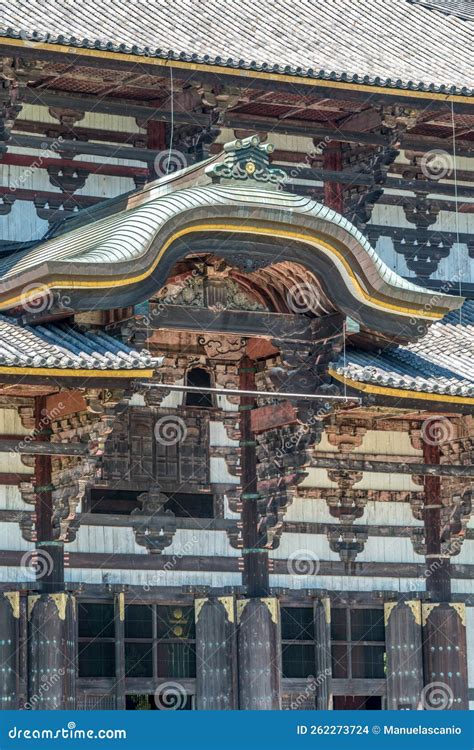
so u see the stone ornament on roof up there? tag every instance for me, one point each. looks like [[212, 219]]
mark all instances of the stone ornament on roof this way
[[247, 159]]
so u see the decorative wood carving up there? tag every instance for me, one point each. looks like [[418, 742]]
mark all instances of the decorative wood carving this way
[[154, 534]]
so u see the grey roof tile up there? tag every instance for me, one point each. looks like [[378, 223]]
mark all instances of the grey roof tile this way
[[399, 44], [441, 362], [65, 347]]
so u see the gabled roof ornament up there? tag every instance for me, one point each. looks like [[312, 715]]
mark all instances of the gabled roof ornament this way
[[247, 159]]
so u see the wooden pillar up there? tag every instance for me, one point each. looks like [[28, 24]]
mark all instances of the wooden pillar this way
[[404, 654], [438, 565], [259, 649], [119, 621], [50, 552], [216, 654], [9, 649], [51, 651], [322, 633], [255, 574], [333, 191], [444, 657]]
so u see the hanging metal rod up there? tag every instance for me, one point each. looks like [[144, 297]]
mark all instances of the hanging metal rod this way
[[258, 394]]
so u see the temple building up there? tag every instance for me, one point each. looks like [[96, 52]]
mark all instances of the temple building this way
[[236, 355]]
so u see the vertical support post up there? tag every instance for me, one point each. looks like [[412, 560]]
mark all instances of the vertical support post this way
[[445, 657], [255, 574], [332, 160], [438, 582], [404, 654], [322, 634], [216, 654], [50, 552], [119, 620], [259, 647], [51, 644], [9, 649]]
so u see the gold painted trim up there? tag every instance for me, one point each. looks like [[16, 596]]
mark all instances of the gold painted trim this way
[[198, 605], [76, 373], [60, 600], [399, 393], [388, 608], [415, 607], [121, 606], [307, 237], [13, 597], [272, 604], [461, 610], [228, 603], [221, 70], [240, 606], [426, 610], [32, 599]]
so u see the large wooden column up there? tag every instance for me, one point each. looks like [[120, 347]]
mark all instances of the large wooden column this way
[[9, 649], [445, 657], [333, 191], [49, 551], [216, 654], [438, 576], [259, 649], [51, 651], [255, 557], [404, 654], [322, 634]]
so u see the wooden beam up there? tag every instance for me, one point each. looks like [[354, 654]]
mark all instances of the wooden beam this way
[[37, 448], [114, 106], [391, 467]]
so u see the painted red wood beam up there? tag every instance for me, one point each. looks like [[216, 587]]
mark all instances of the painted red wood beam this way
[[38, 162]]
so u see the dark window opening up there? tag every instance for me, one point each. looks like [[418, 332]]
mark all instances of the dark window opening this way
[[199, 378], [159, 641], [96, 631], [357, 703], [123, 502], [298, 646], [358, 643], [159, 702]]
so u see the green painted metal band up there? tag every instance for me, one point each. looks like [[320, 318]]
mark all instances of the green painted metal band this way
[[246, 407], [250, 496], [248, 443], [45, 488], [253, 550]]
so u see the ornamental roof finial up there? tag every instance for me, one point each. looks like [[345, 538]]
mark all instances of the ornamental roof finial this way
[[247, 159]]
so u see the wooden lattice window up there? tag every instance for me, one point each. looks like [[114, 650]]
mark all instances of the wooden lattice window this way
[[159, 641], [358, 643], [298, 642], [96, 643]]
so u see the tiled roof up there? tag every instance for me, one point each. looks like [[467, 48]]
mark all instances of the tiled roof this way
[[64, 347], [397, 44], [441, 362], [460, 8]]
